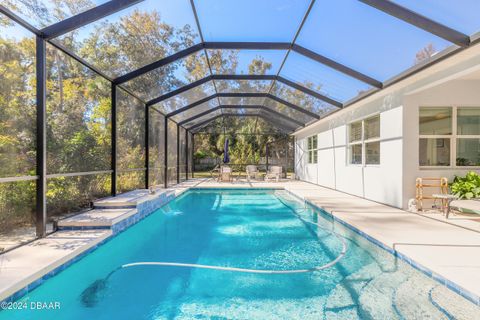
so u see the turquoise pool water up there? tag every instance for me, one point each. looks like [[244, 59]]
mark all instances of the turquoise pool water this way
[[255, 229]]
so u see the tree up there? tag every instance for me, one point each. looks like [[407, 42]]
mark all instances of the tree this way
[[425, 53], [79, 107]]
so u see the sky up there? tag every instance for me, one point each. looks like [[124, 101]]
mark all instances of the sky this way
[[347, 31]]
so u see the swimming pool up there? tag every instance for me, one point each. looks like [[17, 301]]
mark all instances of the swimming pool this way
[[251, 229]]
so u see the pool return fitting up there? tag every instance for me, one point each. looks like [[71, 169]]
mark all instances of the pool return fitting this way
[[90, 296]]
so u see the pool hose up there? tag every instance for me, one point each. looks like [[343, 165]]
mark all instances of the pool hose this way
[[90, 295]]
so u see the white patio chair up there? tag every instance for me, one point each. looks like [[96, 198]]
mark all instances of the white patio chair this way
[[275, 172], [225, 174], [252, 171]]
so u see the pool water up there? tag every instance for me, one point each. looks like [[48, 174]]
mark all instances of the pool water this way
[[256, 229]]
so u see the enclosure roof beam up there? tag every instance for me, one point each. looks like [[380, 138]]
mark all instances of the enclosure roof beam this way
[[389, 7], [86, 17], [242, 77], [281, 126], [192, 105], [277, 123], [206, 122], [195, 48], [309, 92], [201, 114], [158, 64], [420, 21], [283, 116], [336, 66], [271, 96], [259, 107], [179, 90], [292, 106], [207, 79], [60, 47], [249, 94], [249, 46], [10, 14]]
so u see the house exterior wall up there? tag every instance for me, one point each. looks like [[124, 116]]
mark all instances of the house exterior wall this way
[[382, 183], [452, 93], [392, 181]]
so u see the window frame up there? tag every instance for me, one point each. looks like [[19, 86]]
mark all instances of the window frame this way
[[363, 142], [453, 137], [313, 151]]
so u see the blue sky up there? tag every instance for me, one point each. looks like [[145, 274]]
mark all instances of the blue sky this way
[[347, 31], [462, 15]]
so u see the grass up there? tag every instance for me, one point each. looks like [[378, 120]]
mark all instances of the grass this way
[[207, 174], [202, 174]]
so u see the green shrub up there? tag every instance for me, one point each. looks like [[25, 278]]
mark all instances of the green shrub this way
[[466, 187], [199, 155]]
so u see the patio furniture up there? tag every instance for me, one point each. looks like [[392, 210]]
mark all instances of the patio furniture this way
[[275, 172], [252, 171], [422, 183], [215, 172], [226, 174], [472, 206], [446, 201]]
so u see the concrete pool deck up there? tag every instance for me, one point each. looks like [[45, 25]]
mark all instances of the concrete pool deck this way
[[450, 251]]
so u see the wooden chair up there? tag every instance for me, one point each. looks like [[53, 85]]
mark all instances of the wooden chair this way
[[434, 185], [275, 172]]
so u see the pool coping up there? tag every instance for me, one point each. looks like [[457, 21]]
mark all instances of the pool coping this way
[[29, 283], [136, 217]]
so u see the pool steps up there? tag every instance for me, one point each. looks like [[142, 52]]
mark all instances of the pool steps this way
[[27, 267], [97, 226], [120, 212]]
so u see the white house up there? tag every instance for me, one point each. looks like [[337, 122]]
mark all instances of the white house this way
[[427, 125]]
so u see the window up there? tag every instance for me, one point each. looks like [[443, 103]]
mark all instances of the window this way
[[364, 139], [312, 149], [449, 136]]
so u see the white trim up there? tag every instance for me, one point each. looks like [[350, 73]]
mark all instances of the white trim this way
[[313, 150], [453, 137], [362, 141], [362, 118]]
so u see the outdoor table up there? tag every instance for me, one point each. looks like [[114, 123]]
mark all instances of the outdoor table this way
[[448, 198]]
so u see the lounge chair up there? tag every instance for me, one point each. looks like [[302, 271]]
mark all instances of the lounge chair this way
[[226, 174], [252, 171], [275, 172], [215, 172], [470, 206]]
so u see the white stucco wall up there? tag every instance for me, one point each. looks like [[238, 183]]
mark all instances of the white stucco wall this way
[[382, 183], [300, 156], [452, 93], [393, 181]]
